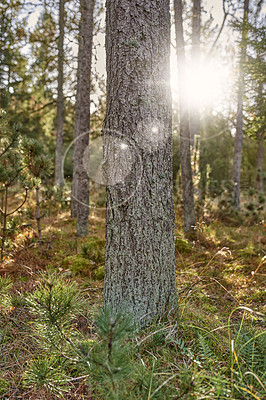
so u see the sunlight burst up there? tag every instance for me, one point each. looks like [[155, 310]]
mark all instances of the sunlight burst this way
[[206, 83]]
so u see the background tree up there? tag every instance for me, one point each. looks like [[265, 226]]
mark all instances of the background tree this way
[[255, 70], [38, 165], [14, 76], [11, 172], [59, 178], [43, 58], [80, 185], [185, 156], [140, 264], [195, 63], [239, 118], [216, 171]]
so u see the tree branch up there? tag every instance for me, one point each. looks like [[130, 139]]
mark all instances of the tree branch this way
[[8, 147], [24, 201], [45, 105], [219, 33]]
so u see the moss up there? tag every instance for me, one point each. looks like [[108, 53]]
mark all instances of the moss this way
[[89, 260], [182, 245], [93, 249], [78, 264], [99, 272]]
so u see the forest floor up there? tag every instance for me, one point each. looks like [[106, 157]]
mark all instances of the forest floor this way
[[220, 276]]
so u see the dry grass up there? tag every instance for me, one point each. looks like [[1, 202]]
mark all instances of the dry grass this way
[[221, 268]]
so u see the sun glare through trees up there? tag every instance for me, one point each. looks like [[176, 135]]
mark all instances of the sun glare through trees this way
[[209, 81], [132, 199]]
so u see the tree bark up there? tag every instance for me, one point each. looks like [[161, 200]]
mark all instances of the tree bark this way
[[260, 155], [140, 261], [59, 176], [239, 118], [185, 157], [80, 186]]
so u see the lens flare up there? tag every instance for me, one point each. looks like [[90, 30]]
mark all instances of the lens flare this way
[[206, 83]]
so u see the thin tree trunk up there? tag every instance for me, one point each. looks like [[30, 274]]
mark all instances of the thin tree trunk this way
[[5, 213], [74, 190], [260, 155], [239, 120], [185, 157], [140, 263], [260, 140], [38, 212], [4, 229], [59, 176], [195, 60], [2, 204], [80, 188]]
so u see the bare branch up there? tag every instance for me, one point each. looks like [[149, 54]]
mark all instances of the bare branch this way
[[24, 201], [219, 33], [44, 106]]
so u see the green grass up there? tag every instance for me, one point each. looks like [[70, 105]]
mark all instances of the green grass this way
[[213, 347], [188, 353]]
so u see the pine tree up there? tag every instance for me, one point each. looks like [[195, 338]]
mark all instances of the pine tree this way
[[11, 172], [59, 176], [14, 79], [239, 119], [140, 263], [185, 156], [43, 66], [39, 166], [194, 120], [80, 185], [255, 70]]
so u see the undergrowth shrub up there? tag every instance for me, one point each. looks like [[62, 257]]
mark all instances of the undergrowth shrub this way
[[46, 373], [90, 260], [175, 357], [55, 304]]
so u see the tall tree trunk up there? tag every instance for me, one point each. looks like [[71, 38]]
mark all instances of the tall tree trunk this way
[[260, 155], [260, 140], [195, 60], [185, 157], [80, 188], [140, 261], [239, 118], [59, 176]]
